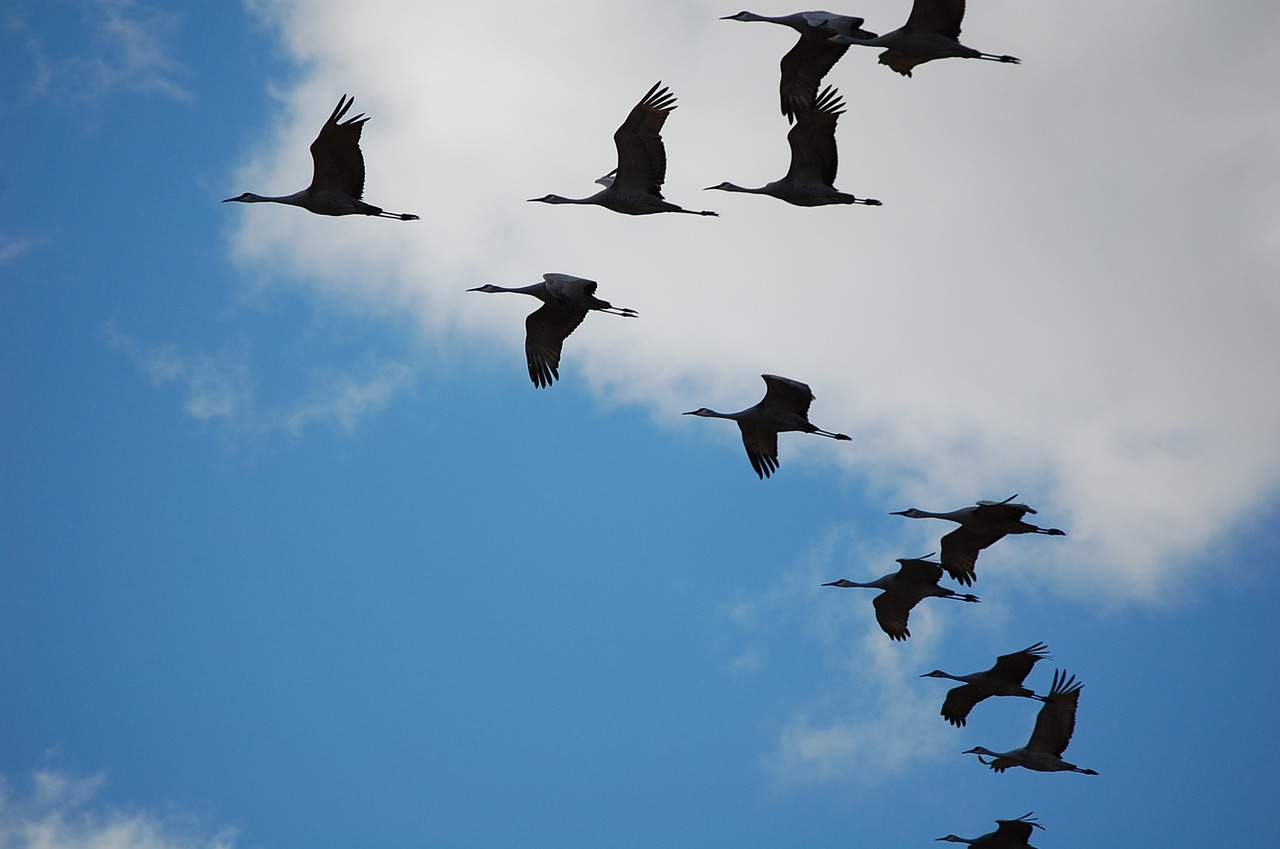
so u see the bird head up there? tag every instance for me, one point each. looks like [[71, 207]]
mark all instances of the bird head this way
[[247, 197], [741, 16], [488, 287], [725, 187], [937, 673], [548, 199], [843, 582], [951, 838], [979, 750], [910, 513], [701, 411]]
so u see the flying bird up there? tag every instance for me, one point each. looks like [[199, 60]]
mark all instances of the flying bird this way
[[915, 580], [805, 64], [810, 180], [785, 407], [635, 186], [1003, 679], [1009, 834], [932, 31], [566, 300], [337, 178], [981, 526], [1054, 725]]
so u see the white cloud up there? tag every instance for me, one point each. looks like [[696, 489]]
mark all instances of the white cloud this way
[[59, 811], [12, 249], [126, 50], [1069, 293]]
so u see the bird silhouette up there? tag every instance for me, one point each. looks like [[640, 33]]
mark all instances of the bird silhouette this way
[[805, 64], [785, 407], [337, 177], [1054, 726], [932, 31], [915, 580], [809, 181], [635, 186], [1003, 679], [566, 300], [1009, 834], [981, 526]]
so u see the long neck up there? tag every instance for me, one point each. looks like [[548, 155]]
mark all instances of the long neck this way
[[295, 199], [730, 187]]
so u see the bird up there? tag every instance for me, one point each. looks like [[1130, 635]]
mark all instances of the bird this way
[[809, 182], [1003, 679], [1009, 834], [337, 178], [784, 407], [932, 31], [805, 64], [566, 300], [981, 526], [1054, 724], [916, 579], [635, 186]]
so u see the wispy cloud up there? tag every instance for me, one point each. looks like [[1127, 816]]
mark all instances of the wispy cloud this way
[[56, 810], [126, 48], [219, 388], [12, 248]]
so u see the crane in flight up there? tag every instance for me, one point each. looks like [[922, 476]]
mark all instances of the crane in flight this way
[[932, 31], [805, 64], [810, 180], [916, 579], [1054, 726], [1003, 679], [337, 177], [635, 186], [1009, 834], [784, 407], [981, 526], [566, 300]]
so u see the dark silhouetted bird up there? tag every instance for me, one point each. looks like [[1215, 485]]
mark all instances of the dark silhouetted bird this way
[[932, 31], [915, 580], [1009, 834], [1003, 679], [1054, 726]]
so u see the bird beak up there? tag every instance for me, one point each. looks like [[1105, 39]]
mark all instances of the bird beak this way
[[228, 200], [476, 289], [898, 513]]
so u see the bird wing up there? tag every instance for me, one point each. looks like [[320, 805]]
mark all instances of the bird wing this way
[[813, 140], [1017, 665], [1000, 511], [959, 701], [545, 331], [642, 159], [919, 571], [1057, 718], [787, 394], [940, 16], [1015, 832], [338, 164], [892, 610], [803, 68], [762, 449], [960, 552], [569, 290], [900, 62]]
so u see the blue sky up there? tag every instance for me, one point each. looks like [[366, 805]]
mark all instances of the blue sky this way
[[295, 555]]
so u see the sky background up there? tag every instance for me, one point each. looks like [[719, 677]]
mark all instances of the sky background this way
[[293, 553]]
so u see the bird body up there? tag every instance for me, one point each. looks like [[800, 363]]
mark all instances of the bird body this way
[[810, 180], [1009, 834], [337, 179], [805, 64], [566, 300], [915, 580], [1054, 726], [1003, 679], [635, 186], [932, 31], [785, 407], [981, 526]]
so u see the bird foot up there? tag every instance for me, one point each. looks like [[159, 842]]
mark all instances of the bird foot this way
[[869, 201]]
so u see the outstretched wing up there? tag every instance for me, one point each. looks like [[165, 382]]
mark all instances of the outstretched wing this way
[[960, 552], [338, 165], [545, 331], [786, 394], [813, 140], [762, 449], [960, 700], [1057, 718], [642, 159], [892, 611], [1016, 666], [940, 16], [803, 68]]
